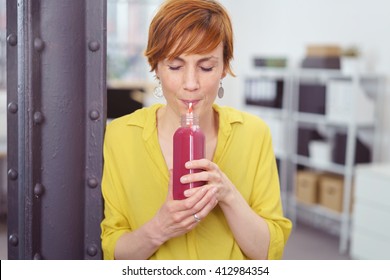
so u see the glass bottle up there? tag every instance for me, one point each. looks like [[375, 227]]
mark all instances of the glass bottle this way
[[188, 144]]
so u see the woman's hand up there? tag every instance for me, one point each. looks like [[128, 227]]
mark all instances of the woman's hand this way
[[215, 179], [177, 217], [249, 229], [174, 218]]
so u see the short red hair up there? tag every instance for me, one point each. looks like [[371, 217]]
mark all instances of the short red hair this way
[[190, 27]]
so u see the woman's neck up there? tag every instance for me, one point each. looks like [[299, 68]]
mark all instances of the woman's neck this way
[[168, 122]]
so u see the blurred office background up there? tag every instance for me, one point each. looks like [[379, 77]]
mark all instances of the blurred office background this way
[[318, 73]]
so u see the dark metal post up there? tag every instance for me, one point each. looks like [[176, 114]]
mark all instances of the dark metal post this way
[[12, 132], [56, 119]]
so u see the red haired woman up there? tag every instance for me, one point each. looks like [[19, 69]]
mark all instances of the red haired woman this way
[[237, 213]]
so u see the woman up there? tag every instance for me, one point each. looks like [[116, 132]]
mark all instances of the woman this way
[[237, 214]]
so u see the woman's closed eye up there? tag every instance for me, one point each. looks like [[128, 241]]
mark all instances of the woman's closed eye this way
[[206, 69], [174, 67]]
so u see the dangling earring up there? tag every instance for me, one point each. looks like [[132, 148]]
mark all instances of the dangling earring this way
[[158, 92], [221, 91]]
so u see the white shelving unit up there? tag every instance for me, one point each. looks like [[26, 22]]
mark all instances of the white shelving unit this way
[[276, 118], [370, 234], [350, 120]]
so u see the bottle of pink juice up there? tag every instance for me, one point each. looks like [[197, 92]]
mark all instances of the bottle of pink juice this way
[[188, 144]]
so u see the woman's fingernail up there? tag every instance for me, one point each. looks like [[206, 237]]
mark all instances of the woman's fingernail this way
[[183, 179], [187, 193], [188, 164]]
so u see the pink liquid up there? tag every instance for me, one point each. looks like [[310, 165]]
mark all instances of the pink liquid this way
[[188, 144]]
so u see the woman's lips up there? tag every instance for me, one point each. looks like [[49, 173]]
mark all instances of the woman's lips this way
[[187, 102]]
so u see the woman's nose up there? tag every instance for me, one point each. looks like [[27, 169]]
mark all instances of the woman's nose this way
[[191, 81]]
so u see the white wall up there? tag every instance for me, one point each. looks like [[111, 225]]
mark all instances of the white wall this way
[[285, 27]]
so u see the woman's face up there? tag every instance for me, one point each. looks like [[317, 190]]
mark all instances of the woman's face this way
[[192, 78]]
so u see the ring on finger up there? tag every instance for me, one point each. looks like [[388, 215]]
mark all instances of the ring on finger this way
[[196, 217]]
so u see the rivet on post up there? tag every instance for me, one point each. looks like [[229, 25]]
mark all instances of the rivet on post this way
[[37, 256], [94, 115], [92, 182], [39, 45], [93, 46], [12, 107], [13, 240], [12, 174], [38, 190], [92, 250], [38, 117], [12, 39]]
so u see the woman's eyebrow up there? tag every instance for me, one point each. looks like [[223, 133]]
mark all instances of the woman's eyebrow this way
[[208, 58]]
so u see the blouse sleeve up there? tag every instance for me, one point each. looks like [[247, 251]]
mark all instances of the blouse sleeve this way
[[265, 198], [114, 223]]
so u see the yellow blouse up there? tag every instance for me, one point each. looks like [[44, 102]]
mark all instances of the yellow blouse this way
[[135, 184]]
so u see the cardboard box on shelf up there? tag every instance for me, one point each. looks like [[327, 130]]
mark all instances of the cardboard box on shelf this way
[[327, 50], [306, 190], [331, 191]]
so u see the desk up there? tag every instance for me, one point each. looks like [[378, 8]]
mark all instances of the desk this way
[[121, 102], [124, 97]]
